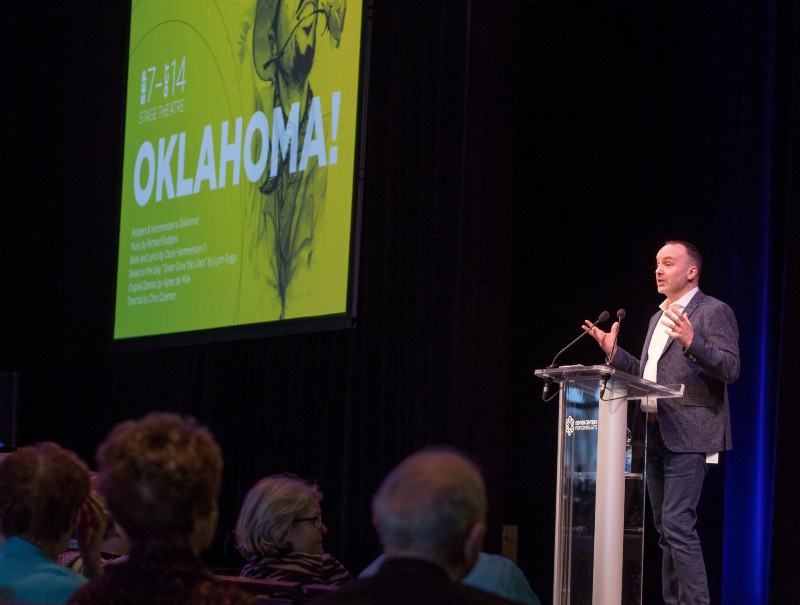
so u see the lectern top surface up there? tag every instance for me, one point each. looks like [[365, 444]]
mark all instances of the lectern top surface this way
[[587, 378]]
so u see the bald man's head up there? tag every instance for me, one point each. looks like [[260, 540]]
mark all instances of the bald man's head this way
[[430, 502]]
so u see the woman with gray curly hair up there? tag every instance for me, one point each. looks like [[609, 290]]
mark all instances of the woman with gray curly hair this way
[[280, 532]]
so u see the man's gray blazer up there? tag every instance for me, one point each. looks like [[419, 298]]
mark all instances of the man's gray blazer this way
[[700, 420]]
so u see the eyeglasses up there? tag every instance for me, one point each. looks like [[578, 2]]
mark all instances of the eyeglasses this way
[[317, 521]]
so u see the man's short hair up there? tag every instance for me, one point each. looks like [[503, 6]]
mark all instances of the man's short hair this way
[[42, 488], [430, 501], [692, 251]]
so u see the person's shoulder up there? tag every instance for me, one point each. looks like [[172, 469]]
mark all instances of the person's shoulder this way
[[304, 556], [51, 583], [485, 558], [706, 300], [500, 575], [490, 572], [705, 305], [314, 560], [46, 570]]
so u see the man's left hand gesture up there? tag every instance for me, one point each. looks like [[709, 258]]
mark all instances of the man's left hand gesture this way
[[678, 327]]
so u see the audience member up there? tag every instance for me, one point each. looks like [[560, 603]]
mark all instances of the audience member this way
[[160, 477], [430, 513], [45, 498], [114, 545], [492, 573], [113, 548], [280, 532]]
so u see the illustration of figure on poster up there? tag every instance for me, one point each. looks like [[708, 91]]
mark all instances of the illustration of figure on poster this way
[[289, 204]]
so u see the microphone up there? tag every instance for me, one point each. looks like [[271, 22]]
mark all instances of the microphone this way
[[620, 317], [548, 381], [610, 356]]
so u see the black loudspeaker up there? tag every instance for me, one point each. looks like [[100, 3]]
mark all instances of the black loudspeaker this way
[[9, 398]]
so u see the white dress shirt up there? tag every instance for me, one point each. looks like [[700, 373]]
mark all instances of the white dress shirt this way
[[658, 342]]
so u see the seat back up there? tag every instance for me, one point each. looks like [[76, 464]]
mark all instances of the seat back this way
[[274, 589]]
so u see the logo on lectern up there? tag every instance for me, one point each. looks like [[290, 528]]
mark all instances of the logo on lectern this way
[[570, 428]]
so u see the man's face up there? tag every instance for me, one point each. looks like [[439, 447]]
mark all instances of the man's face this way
[[676, 273], [296, 32]]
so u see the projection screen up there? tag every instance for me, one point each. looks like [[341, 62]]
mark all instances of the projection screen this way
[[240, 176]]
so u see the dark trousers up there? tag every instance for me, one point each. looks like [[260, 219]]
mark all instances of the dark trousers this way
[[674, 482]]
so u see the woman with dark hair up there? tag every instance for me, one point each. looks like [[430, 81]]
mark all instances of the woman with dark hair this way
[[280, 532], [43, 488], [161, 477]]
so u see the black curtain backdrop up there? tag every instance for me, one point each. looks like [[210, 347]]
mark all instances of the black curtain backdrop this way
[[525, 160]]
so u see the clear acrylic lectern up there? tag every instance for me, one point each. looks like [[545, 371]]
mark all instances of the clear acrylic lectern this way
[[600, 501]]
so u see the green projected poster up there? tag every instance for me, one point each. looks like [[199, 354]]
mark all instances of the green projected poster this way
[[238, 184]]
